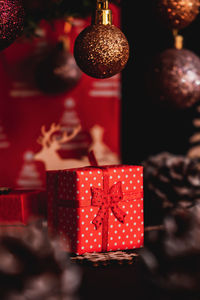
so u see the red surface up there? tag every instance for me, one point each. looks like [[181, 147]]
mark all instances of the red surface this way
[[20, 207], [24, 109]]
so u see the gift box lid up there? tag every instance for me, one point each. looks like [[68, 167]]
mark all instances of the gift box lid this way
[[74, 187]]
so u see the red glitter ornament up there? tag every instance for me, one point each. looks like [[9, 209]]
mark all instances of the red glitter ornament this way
[[11, 21]]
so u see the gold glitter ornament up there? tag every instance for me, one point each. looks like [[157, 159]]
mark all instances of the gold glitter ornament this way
[[177, 14], [101, 50]]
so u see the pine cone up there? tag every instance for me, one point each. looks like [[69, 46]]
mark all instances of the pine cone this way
[[171, 256], [34, 267], [169, 181]]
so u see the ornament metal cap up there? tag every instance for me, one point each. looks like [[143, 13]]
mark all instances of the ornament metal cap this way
[[178, 39], [103, 15], [178, 43]]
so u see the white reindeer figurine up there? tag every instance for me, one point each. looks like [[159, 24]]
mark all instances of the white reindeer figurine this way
[[50, 145]]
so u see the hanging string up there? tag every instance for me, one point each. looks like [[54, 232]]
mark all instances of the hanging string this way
[[178, 39]]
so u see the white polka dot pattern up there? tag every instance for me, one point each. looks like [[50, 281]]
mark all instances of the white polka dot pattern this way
[[75, 223]]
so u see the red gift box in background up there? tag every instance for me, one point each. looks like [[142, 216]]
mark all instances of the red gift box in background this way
[[97, 209], [21, 206]]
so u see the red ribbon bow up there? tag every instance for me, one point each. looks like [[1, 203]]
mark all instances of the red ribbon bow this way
[[106, 200]]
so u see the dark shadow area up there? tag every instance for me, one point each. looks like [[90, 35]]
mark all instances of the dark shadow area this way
[[147, 127]]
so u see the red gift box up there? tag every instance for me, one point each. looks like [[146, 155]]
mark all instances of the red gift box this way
[[18, 207], [97, 208]]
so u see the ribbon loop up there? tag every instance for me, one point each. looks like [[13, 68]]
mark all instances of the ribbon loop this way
[[118, 213], [107, 200]]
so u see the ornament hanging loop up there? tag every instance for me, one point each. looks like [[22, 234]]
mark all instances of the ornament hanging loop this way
[[102, 4], [103, 15], [178, 39]]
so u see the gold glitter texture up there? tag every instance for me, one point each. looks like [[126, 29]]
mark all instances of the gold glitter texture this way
[[176, 78], [101, 51], [177, 14]]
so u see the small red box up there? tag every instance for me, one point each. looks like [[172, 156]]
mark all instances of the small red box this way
[[97, 208], [18, 207]]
